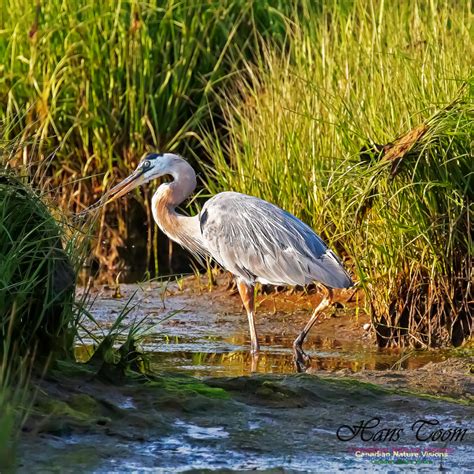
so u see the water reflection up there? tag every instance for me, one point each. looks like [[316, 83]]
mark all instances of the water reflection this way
[[212, 356], [242, 363]]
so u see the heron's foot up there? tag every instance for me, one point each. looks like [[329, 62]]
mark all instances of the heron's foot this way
[[301, 359]]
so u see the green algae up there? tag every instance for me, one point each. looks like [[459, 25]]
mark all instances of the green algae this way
[[187, 385]]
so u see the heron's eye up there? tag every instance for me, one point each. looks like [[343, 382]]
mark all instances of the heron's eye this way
[[146, 164]]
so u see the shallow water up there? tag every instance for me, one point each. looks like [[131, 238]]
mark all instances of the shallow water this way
[[207, 335]]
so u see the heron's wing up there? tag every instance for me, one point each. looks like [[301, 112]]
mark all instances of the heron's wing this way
[[257, 240]]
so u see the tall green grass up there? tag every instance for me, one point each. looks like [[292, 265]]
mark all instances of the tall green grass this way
[[306, 131], [87, 87]]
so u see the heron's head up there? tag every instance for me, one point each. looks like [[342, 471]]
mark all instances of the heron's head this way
[[151, 167]]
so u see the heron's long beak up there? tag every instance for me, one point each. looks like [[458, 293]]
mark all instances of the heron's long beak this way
[[132, 182]]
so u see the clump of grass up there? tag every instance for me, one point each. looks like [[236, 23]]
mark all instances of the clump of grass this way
[[418, 228], [37, 279], [322, 132], [116, 351]]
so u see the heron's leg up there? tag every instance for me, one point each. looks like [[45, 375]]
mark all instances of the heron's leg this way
[[302, 360], [247, 294]]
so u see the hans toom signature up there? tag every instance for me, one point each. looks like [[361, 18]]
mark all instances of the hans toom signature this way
[[427, 430]]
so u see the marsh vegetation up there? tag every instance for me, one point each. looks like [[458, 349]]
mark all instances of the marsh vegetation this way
[[355, 116]]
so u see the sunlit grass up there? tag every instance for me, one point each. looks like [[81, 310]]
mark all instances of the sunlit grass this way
[[86, 88], [306, 132]]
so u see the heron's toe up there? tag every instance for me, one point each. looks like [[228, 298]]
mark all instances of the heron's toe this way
[[301, 359], [301, 365]]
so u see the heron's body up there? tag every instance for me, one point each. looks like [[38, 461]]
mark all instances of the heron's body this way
[[251, 238], [258, 241]]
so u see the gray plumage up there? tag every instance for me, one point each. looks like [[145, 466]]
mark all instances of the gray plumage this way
[[258, 241]]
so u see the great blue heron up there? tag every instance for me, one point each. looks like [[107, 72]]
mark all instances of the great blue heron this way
[[251, 238]]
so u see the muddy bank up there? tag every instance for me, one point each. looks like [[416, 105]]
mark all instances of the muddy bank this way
[[302, 423], [452, 378], [206, 406], [201, 330]]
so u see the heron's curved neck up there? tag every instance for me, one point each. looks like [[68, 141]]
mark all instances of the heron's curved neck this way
[[169, 196], [182, 186]]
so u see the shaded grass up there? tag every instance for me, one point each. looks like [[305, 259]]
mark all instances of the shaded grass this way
[[15, 400], [36, 275], [323, 132]]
